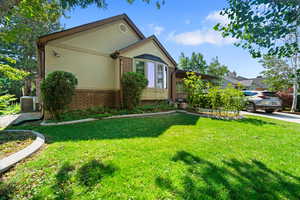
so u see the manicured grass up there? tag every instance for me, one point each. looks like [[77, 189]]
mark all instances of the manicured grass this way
[[168, 157], [13, 142]]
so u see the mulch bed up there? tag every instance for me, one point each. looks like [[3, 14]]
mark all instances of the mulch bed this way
[[13, 142]]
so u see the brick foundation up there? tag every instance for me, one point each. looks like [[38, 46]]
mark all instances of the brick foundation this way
[[84, 99]]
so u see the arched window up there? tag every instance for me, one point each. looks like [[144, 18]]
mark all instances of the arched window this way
[[154, 68]]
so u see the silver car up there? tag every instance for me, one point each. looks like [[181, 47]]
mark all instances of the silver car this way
[[262, 100]]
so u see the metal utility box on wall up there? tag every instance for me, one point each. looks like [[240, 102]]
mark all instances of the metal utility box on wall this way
[[28, 104]]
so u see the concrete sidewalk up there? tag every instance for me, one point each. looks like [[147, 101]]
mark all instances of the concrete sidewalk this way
[[277, 115], [7, 120]]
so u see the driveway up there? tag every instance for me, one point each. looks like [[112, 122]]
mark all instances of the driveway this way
[[277, 115]]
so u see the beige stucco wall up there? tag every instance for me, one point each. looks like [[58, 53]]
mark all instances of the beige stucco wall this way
[[87, 55], [105, 39], [92, 71]]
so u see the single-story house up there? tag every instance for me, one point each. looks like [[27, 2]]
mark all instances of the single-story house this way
[[99, 53], [246, 83]]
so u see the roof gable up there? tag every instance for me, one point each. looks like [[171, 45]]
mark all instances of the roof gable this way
[[142, 42], [53, 36]]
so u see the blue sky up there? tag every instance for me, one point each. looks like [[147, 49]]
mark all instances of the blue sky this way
[[181, 27]]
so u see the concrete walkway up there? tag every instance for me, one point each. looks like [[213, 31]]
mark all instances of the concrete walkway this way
[[277, 115], [13, 159], [7, 120]]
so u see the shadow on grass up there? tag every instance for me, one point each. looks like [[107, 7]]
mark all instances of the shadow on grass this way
[[62, 187], [115, 128], [87, 177], [14, 137], [92, 172], [6, 191], [235, 180], [256, 122], [250, 121]]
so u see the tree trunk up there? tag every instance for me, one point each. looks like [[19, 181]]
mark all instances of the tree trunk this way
[[295, 95], [295, 64], [27, 87], [296, 82]]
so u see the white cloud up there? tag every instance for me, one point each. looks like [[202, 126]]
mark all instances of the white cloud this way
[[203, 35], [188, 21], [156, 29], [198, 37], [217, 17]]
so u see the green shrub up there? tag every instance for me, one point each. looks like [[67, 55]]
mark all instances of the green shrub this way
[[158, 107], [232, 100], [196, 90], [6, 103], [214, 98], [203, 95], [57, 91], [133, 85]]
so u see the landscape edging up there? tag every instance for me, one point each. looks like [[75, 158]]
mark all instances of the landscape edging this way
[[210, 116], [112, 117], [138, 115], [43, 123], [13, 159]]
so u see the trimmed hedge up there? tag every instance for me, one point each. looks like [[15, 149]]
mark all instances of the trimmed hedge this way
[[57, 91], [133, 85]]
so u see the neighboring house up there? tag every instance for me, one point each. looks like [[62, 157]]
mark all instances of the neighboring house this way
[[247, 83], [99, 53], [254, 84]]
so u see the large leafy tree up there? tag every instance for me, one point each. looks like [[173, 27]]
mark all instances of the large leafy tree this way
[[8, 73], [217, 69], [266, 27], [19, 33], [7, 5], [278, 74], [195, 63]]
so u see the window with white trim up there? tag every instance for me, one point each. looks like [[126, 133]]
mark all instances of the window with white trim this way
[[160, 76], [140, 67], [156, 73]]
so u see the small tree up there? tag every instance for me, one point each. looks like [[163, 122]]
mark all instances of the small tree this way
[[133, 84], [214, 98], [233, 100], [278, 74], [11, 74], [196, 90], [57, 91]]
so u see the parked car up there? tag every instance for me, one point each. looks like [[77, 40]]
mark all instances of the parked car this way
[[262, 100]]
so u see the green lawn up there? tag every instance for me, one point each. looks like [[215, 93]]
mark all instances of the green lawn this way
[[168, 157]]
